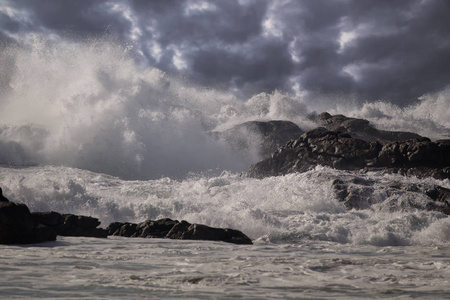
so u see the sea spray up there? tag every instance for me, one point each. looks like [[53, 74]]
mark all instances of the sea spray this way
[[287, 209], [88, 104]]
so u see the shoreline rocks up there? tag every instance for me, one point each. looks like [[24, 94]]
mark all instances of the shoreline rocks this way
[[19, 226], [71, 225], [361, 129], [173, 229], [358, 193], [418, 157]]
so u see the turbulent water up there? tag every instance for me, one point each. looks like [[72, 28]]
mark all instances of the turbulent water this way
[[84, 129]]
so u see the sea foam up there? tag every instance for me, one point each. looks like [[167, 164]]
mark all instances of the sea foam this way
[[284, 209]]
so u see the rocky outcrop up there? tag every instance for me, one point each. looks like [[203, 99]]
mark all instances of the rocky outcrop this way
[[173, 229], [361, 129], [362, 193], [419, 157], [18, 226], [3, 198], [266, 137], [71, 225]]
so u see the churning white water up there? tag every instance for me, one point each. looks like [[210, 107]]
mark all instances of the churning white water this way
[[85, 130]]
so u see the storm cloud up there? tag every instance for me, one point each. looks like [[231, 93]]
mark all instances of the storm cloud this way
[[394, 51]]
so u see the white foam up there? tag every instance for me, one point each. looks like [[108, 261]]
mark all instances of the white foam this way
[[285, 209]]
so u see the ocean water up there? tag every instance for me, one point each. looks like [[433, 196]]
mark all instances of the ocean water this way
[[84, 129]]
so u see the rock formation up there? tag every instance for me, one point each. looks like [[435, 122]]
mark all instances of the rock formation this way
[[419, 157], [358, 193], [173, 229], [361, 129], [71, 225], [19, 226], [3, 198]]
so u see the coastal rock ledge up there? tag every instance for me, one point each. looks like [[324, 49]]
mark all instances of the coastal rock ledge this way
[[417, 157], [19, 226], [173, 229]]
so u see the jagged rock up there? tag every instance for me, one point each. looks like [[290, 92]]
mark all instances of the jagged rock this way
[[357, 193], [71, 225], [317, 147], [361, 129], [18, 226], [81, 226], [49, 218], [419, 157], [266, 137], [173, 229]]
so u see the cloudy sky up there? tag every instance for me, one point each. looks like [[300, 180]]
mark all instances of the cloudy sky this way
[[395, 51]]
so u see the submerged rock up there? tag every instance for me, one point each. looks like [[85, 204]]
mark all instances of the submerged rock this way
[[173, 229], [359, 193], [419, 157]]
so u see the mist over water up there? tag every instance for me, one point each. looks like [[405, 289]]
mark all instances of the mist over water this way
[[89, 105]]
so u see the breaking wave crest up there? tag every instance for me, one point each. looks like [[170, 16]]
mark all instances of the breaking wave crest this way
[[285, 209], [90, 105]]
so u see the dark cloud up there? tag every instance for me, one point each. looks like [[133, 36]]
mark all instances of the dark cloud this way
[[390, 50]]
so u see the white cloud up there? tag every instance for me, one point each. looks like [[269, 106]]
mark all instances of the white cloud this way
[[196, 6]]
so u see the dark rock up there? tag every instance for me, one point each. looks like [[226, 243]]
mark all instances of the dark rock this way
[[18, 226], [71, 225], [266, 137], [357, 193], [203, 232], [74, 225], [121, 229], [49, 218], [418, 157], [361, 129], [179, 231], [317, 147], [3, 198], [172, 229]]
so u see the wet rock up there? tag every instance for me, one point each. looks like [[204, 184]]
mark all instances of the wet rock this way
[[173, 229], [71, 225], [18, 226], [361, 129], [3, 198], [357, 193], [50, 218], [418, 157], [317, 147]]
